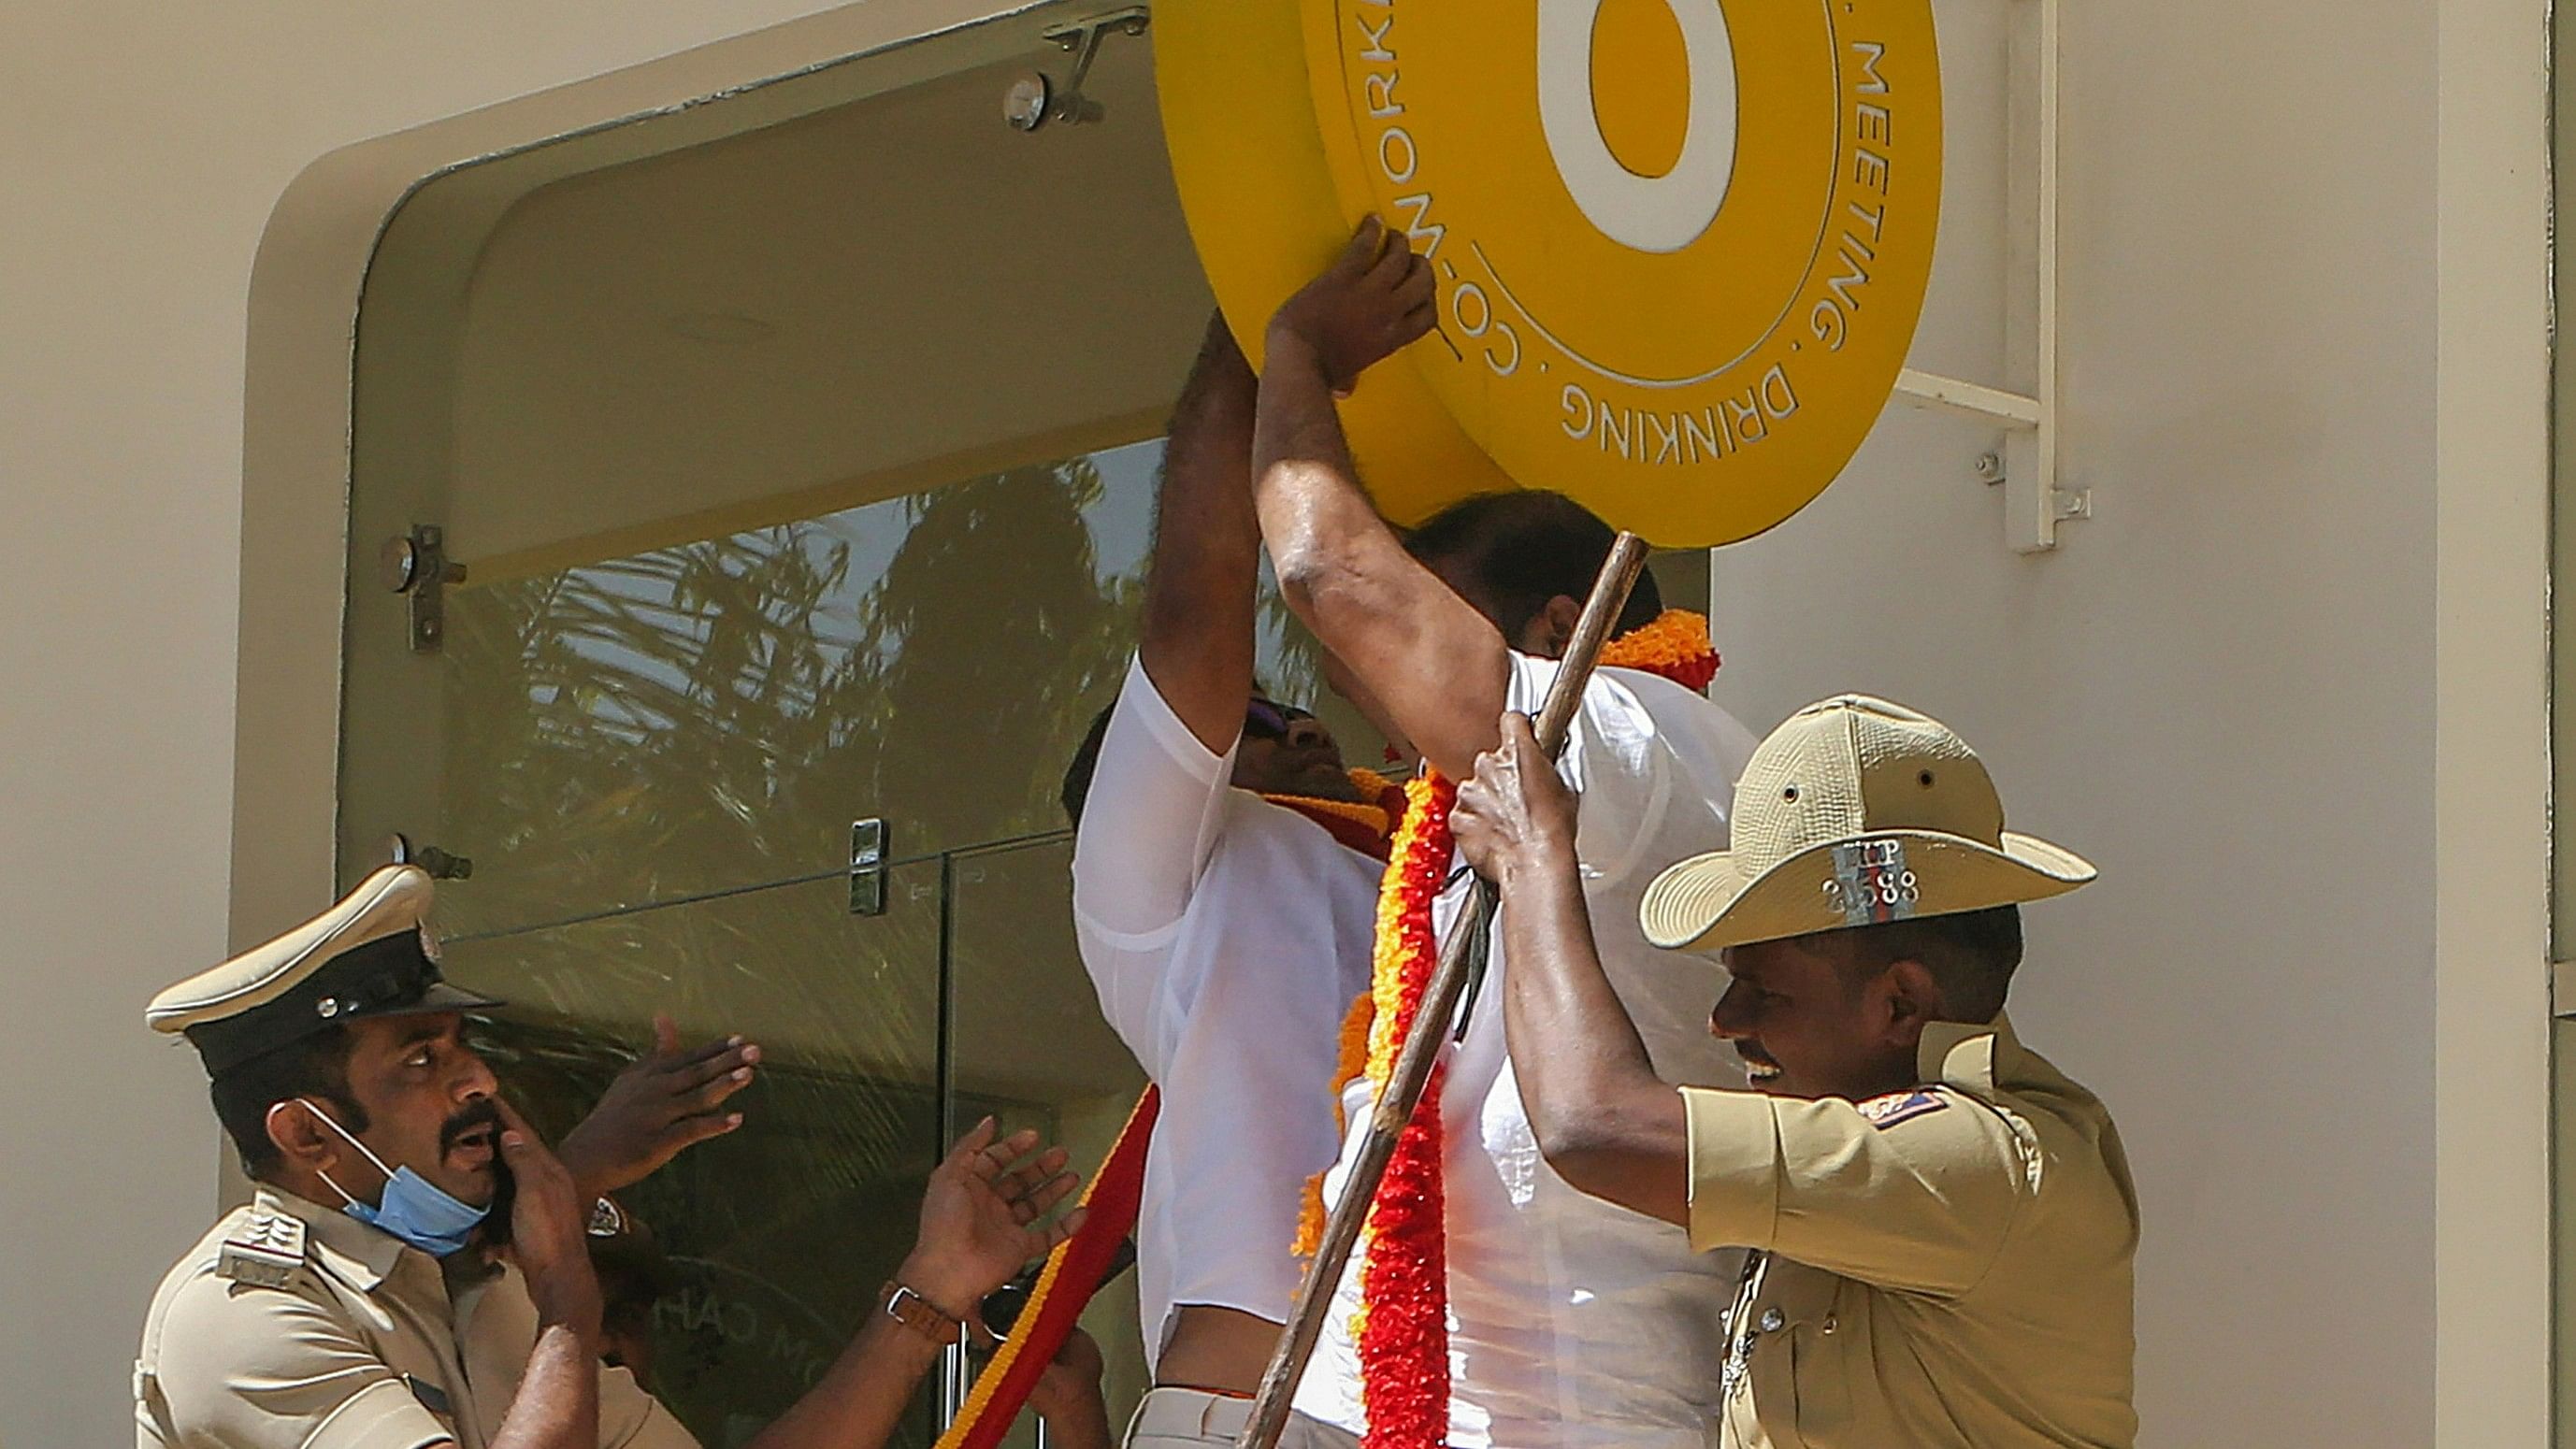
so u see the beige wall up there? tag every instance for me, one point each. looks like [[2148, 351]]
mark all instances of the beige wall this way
[[2253, 687], [148, 144], [2224, 688]]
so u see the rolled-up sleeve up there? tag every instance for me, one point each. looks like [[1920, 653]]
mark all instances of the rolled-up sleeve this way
[[1156, 802], [1919, 1197]]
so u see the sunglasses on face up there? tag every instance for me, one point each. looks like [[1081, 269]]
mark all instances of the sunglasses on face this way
[[1263, 720]]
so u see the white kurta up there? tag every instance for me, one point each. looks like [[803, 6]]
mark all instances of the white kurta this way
[[1574, 1322], [1227, 937]]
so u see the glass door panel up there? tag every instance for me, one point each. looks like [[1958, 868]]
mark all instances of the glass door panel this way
[[766, 1245], [1028, 1045], [713, 715]]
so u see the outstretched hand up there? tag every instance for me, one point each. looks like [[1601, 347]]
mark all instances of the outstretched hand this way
[[981, 1219], [1377, 296], [1515, 813], [669, 1100]]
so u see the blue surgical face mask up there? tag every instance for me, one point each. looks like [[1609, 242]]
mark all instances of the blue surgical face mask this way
[[411, 1207]]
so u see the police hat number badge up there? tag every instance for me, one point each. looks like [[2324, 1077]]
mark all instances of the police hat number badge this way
[[1681, 245]]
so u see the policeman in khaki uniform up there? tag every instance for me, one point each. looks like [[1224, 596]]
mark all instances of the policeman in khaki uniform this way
[[1943, 1224], [377, 1293]]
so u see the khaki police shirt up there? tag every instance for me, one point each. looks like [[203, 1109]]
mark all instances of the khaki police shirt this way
[[1947, 1266], [295, 1326]]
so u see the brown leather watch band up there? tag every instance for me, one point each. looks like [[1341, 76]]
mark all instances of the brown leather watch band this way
[[920, 1315]]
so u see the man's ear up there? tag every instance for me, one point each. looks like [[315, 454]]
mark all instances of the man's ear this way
[[1914, 1001], [301, 1140], [1551, 629]]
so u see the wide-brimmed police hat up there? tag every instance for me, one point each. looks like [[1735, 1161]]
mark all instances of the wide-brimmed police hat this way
[[1855, 812]]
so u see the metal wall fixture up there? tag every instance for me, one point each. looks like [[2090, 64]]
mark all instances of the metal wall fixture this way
[[868, 867], [2028, 464], [440, 864], [417, 565], [1033, 99]]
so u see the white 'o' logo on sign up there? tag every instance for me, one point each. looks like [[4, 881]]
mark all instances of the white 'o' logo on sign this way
[[1652, 214]]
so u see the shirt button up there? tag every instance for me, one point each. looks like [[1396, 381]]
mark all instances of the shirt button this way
[[1771, 1320], [1832, 1323]]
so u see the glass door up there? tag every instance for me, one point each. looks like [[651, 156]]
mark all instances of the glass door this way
[[638, 778], [1027, 1044], [762, 1249]]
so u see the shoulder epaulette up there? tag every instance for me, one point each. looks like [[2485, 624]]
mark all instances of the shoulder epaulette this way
[[266, 1250]]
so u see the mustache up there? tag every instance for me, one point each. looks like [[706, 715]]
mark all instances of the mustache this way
[[1756, 1056], [476, 1114]]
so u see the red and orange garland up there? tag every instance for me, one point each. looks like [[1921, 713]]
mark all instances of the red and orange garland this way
[[1402, 1328], [1675, 646]]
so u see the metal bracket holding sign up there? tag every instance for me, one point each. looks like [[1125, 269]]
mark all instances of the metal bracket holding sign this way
[[1033, 99], [2027, 466], [416, 565]]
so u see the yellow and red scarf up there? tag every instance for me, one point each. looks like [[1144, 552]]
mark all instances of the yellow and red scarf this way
[[1365, 825]]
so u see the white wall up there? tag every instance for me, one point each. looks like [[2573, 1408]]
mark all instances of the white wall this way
[[147, 143], [2222, 688]]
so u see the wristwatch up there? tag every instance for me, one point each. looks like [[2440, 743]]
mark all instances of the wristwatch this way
[[920, 1315]]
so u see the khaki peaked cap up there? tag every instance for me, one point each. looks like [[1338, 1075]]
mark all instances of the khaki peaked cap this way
[[369, 955], [1854, 812]]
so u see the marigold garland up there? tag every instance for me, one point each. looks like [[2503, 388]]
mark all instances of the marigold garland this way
[[1675, 646], [1402, 1326], [1348, 1068]]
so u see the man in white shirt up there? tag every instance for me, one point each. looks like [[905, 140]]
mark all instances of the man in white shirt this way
[[1572, 1321], [1226, 934]]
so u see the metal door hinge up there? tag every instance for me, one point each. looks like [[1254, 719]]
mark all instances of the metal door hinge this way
[[2562, 988], [867, 867], [417, 565]]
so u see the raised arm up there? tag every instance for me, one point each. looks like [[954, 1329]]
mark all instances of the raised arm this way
[[1603, 1119], [979, 1226], [1437, 667], [1197, 645]]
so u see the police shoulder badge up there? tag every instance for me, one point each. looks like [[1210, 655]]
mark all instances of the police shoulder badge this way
[[266, 1249], [1885, 1112]]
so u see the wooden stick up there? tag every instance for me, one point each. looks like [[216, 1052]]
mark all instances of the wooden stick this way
[[1412, 1071]]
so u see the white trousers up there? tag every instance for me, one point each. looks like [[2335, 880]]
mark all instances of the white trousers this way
[[1189, 1418]]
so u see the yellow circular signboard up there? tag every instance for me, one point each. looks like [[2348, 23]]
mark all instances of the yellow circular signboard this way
[[1681, 245]]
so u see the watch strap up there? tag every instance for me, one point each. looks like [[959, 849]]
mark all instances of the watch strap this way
[[920, 1315]]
